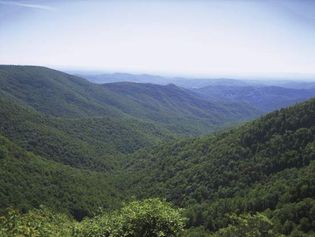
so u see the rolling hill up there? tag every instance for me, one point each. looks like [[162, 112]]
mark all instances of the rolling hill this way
[[61, 95], [172, 105]]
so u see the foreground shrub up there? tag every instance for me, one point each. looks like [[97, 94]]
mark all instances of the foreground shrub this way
[[36, 223], [148, 218]]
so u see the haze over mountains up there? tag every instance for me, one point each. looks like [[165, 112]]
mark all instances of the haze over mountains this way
[[296, 81], [263, 98], [264, 95]]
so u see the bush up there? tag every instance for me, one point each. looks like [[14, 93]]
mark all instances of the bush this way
[[148, 218], [247, 225], [36, 223]]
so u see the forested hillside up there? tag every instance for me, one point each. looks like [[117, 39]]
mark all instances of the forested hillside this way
[[28, 181], [86, 142], [264, 166], [62, 95], [174, 105]]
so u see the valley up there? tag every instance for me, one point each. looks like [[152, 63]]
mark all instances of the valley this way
[[69, 147]]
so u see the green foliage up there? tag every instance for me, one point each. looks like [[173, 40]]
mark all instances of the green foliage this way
[[297, 217], [26, 181], [148, 218], [199, 231], [36, 223], [84, 143], [247, 225]]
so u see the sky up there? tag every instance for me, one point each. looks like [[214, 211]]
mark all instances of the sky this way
[[162, 37]]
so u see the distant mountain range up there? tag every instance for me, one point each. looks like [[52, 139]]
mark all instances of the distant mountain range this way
[[263, 98], [263, 95], [195, 83]]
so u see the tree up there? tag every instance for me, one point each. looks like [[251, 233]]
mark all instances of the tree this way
[[36, 223], [148, 218], [247, 225]]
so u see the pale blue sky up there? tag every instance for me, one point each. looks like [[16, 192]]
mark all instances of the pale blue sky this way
[[172, 37]]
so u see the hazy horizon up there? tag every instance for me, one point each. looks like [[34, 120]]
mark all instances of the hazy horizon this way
[[173, 38], [81, 71], [237, 76]]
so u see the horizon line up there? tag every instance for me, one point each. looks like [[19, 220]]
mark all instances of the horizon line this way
[[213, 75]]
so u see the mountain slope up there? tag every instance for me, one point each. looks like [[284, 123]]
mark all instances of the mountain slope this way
[[56, 93], [62, 95], [266, 166], [173, 105], [87, 142], [27, 181]]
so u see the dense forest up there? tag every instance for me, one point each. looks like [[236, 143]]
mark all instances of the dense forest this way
[[265, 166], [123, 159]]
